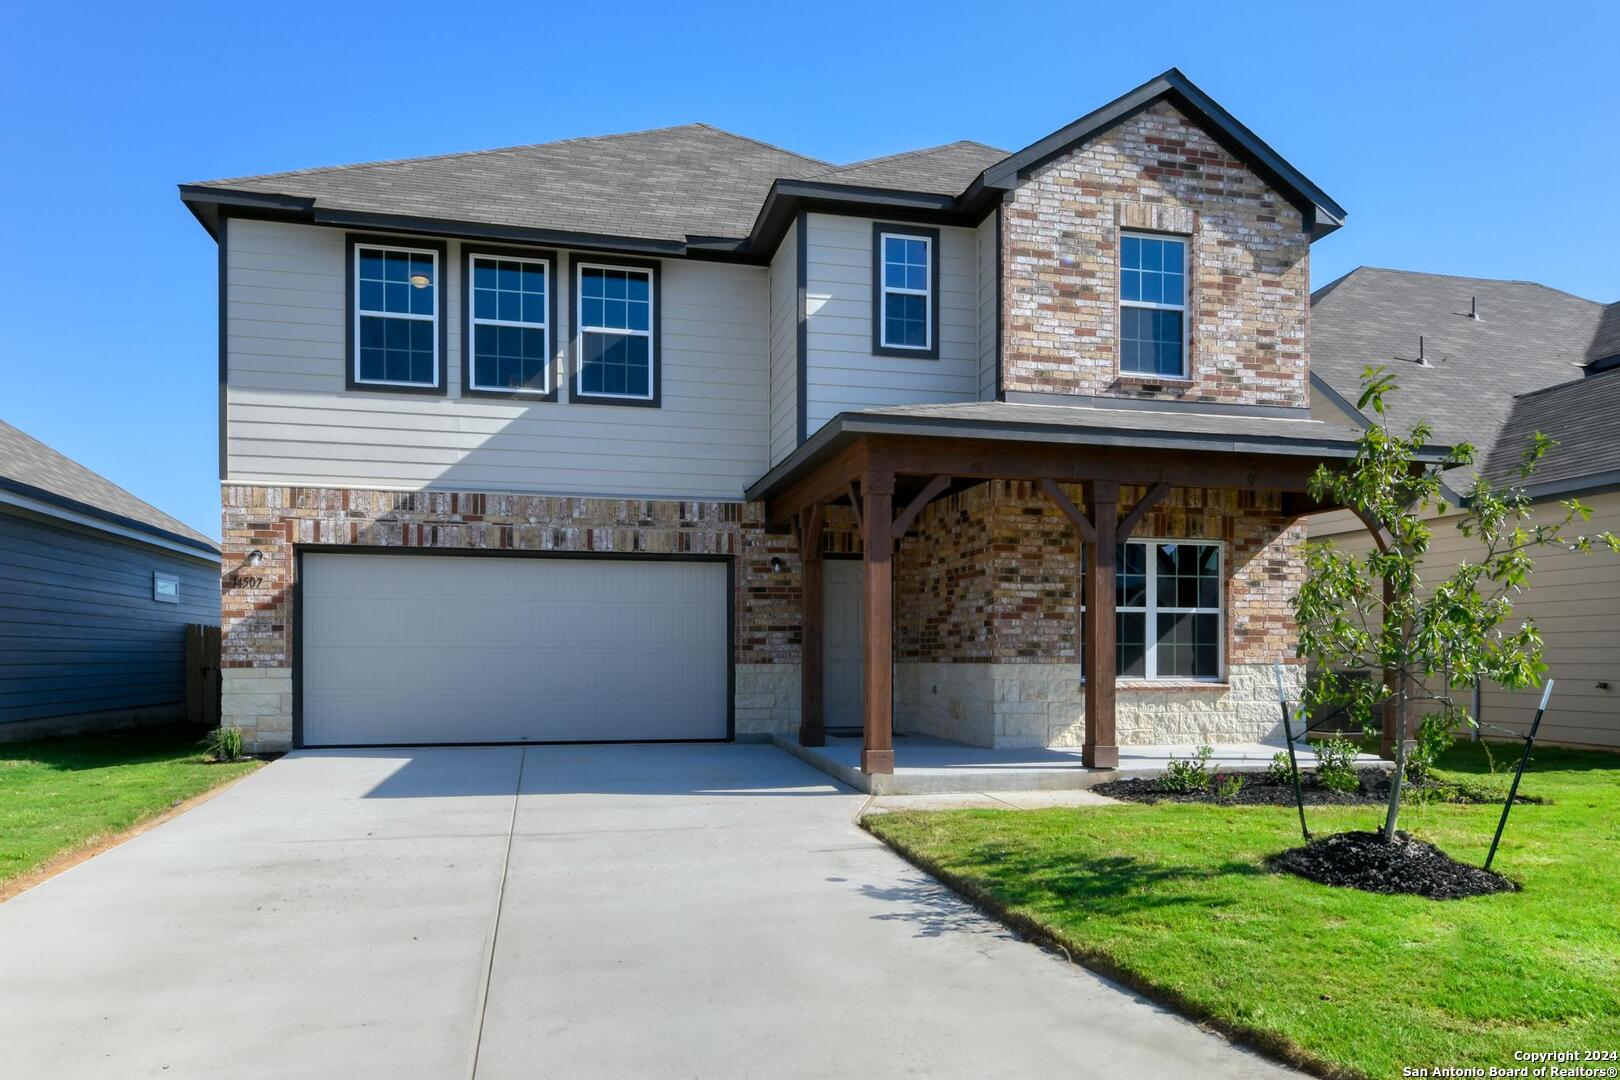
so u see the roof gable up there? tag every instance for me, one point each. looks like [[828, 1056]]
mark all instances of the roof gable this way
[[1322, 213]]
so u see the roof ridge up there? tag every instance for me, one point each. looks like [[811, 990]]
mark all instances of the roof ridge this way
[[756, 142], [1485, 280], [324, 169], [914, 153]]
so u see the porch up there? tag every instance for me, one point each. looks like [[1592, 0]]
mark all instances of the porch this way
[[1102, 473], [927, 765]]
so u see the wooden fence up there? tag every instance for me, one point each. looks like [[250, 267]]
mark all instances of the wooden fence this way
[[202, 675]]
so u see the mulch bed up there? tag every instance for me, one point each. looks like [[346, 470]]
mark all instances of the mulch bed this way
[[1258, 790], [1362, 860]]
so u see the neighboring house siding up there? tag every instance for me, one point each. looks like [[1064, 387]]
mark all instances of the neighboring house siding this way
[[1248, 286], [80, 633], [989, 257], [1574, 600], [291, 420], [843, 375], [784, 291]]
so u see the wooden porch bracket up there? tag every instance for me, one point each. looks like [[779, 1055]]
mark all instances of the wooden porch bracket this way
[[812, 722], [1082, 524], [1155, 495], [906, 517], [855, 505]]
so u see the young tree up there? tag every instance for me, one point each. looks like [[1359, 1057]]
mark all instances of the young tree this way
[[1362, 616]]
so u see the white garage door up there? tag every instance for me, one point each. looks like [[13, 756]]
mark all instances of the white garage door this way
[[409, 649]]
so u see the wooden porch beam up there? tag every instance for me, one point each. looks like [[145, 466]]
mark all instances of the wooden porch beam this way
[[1082, 524], [877, 728], [904, 519], [1155, 495]]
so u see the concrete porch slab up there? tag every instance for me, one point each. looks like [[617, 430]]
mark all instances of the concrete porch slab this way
[[925, 765]]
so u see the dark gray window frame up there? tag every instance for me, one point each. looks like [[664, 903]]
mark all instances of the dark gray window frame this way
[[655, 268], [554, 374], [879, 228], [352, 244]]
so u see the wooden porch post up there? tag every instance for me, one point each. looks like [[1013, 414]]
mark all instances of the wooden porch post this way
[[1100, 750], [877, 525], [812, 723]]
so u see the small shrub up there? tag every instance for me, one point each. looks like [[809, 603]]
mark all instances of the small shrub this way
[[1281, 770], [1434, 738], [223, 744], [1228, 786], [1335, 765], [1188, 776]]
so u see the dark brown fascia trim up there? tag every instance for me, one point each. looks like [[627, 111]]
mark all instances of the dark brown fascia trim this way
[[300, 550], [441, 301], [553, 328], [575, 261], [879, 228]]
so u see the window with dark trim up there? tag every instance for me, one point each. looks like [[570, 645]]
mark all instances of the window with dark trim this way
[[1168, 612], [510, 301], [396, 315], [616, 322], [905, 291], [1153, 305]]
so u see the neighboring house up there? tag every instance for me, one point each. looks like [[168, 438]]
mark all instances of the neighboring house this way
[[716, 384], [96, 590], [1490, 363]]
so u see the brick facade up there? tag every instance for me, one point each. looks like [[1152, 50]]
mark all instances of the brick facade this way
[[988, 579], [1249, 284]]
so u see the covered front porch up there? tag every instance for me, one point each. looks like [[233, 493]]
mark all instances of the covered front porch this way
[[1107, 475]]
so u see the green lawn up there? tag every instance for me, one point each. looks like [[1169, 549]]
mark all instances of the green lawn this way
[[1174, 899], [58, 795]]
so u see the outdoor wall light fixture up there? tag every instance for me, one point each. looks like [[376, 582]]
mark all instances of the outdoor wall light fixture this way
[[421, 281], [776, 564], [255, 559]]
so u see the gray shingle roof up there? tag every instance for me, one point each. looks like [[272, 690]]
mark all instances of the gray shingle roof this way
[[1606, 342], [1583, 415], [937, 170], [27, 463], [664, 184], [1527, 337]]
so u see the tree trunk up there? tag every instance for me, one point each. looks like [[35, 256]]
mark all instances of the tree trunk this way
[[1400, 765]]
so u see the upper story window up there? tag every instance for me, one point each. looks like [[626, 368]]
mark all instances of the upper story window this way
[[1153, 306], [509, 327], [396, 316], [905, 276], [618, 344]]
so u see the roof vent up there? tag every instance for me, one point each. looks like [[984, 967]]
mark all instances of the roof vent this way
[[1473, 308]]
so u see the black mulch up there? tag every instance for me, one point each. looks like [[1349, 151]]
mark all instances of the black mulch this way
[[1258, 790], [1361, 860]]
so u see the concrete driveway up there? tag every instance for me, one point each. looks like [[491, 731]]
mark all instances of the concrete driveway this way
[[676, 911]]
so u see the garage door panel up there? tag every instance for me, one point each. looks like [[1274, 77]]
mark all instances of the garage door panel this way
[[405, 649]]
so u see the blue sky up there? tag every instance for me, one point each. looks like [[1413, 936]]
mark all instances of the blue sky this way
[[1463, 138]]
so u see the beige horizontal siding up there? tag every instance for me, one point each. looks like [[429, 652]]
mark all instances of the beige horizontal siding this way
[[1573, 599], [291, 419], [842, 372]]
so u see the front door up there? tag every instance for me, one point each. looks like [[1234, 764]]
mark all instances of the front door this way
[[842, 663]]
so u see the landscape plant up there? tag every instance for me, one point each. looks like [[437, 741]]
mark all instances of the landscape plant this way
[[1381, 636], [1336, 765], [1188, 776]]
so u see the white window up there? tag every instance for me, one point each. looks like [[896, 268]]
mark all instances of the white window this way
[[396, 318], [1168, 612], [1153, 305], [907, 300], [165, 588], [510, 345], [617, 351]]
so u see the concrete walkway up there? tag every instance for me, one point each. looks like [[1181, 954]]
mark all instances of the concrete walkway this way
[[677, 911]]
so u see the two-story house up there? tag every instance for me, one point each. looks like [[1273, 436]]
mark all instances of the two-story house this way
[[675, 435]]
